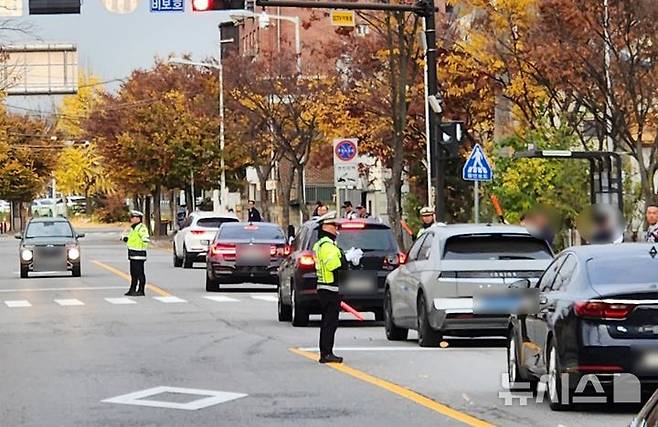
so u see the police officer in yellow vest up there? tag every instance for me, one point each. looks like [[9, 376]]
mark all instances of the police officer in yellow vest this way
[[329, 260], [137, 241]]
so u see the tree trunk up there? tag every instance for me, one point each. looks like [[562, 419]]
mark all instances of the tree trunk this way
[[285, 188], [147, 214], [393, 197], [173, 209], [264, 196], [189, 199], [157, 214], [90, 208], [301, 184]]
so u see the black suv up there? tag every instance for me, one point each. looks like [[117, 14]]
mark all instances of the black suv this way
[[362, 286]]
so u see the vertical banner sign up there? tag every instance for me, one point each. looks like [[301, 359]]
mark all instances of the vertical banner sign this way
[[346, 163]]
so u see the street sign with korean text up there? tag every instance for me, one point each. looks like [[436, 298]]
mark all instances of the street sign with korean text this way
[[167, 5], [343, 18], [346, 163], [477, 167]]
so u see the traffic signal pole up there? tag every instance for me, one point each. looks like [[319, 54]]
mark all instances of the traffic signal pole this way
[[427, 10]]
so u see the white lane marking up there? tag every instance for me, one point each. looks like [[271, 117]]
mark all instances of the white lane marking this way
[[120, 301], [18, 303], [315, 349], [268, 298], [208, 398], [91, 288], [169, 299], [69, 302], [221, 299]]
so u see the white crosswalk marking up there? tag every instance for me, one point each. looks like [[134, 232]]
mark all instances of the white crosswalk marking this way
[[18, 303], [221, 299], [69, 302], [120, 301], [169, 299], [268, 298]]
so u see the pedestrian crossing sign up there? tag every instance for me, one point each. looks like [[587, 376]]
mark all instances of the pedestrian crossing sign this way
[[477, 167]]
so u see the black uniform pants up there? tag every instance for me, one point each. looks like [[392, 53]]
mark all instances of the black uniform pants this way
[[330, 306], [137, 275]]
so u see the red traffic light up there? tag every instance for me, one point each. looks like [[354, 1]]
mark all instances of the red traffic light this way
[[200, 5]]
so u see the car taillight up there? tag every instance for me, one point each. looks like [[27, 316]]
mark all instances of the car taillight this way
[[603, 310], [273, 250], [395, 260], [226, 251], [402, 258], [197, 231], [287, 249], [353, 225], [306, 261]]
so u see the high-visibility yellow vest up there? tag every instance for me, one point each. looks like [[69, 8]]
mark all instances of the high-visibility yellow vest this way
[[327, 260], [138, 240]]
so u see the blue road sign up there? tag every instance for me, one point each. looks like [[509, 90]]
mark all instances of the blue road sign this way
[[477, 167], [346, 150], [167, 5]]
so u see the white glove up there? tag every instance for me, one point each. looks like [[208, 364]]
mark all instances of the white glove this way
[[354, 256]]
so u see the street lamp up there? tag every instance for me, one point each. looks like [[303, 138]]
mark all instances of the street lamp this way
[[264, 22], [222, 185]]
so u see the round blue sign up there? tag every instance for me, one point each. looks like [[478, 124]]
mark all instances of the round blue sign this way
[[346, 150]]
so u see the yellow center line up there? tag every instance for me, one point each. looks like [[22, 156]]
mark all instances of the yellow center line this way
[[400, 391], [120, 273]]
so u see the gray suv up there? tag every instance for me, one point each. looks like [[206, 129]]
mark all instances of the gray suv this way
[[433, 291]]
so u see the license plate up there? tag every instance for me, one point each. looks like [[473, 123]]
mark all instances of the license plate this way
[[205, 242], [358, 285]]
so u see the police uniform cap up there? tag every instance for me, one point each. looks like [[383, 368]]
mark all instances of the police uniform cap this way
[[426, 211], [136, 213], [328, 218]]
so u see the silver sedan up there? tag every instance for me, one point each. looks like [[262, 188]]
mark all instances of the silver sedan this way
[[433, 291]]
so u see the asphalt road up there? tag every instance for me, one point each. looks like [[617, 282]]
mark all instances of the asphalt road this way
[[70, 344]]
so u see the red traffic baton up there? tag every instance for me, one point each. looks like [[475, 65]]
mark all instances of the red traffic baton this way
[[346, 307]]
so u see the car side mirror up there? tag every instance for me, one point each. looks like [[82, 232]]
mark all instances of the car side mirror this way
[[18, 236], [521, 284], [80, 235]]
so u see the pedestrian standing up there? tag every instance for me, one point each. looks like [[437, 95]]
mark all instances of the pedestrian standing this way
[[253, 215], [329, 259], [318, 204], [350, 213], [361, 212], [137, 241], [652, 224], [322, 210]]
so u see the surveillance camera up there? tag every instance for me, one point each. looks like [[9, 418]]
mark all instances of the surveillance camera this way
[[435, 104]]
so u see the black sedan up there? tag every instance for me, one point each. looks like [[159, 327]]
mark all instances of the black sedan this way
[[49, 245], [597, 319], [245, 252]]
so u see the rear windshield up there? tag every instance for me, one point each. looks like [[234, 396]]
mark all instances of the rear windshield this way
[[214, 222], [46, 202], [49, 229], [621, 271], [482, 247], [367, 239], [248, 232]]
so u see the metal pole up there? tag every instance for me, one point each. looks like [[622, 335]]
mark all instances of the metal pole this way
[[434, 118], [222, 185], [476, 201], [298, 45], [428, 139], [192, 191]]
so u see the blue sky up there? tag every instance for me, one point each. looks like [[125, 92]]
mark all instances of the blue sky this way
[[112, 45]]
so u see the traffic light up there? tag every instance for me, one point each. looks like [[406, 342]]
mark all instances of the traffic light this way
[[206, 5], [53, 7]]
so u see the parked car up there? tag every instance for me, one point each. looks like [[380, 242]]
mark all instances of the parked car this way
[[433, 292], [598, 315], [245, 252], [48, 207], [49, 245], [5, 206], [191, 242], [76, 204], [362, 286]]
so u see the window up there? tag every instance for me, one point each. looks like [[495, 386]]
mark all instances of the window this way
[[248, 232], [214, 222], [413, 252], [565, 273], [622, 270], [496, 246], [549, 275], [366, 239], [49, 229], [426, 247]]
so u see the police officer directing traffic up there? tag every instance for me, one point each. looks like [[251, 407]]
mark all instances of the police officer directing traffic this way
[[329, 259], [427, 218], [137, 242]]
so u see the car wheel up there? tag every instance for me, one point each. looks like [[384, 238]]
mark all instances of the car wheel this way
[[188, 261], [212, 285], [515, 373], [427, 337], [24, 272], [76, 271], [178, 262], [284, 310], [393, 333], [299, 313], [558, 402]]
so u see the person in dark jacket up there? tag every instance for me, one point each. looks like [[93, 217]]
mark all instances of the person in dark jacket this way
[[253, 215]]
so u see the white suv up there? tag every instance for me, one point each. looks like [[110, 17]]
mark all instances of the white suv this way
[[197, 231]]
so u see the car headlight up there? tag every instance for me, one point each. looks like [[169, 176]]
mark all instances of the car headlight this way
[[27, 255], [74, 253]]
